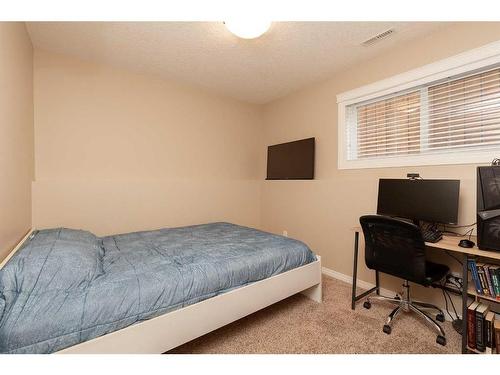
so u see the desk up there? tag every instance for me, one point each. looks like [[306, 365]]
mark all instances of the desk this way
[[447, 243]]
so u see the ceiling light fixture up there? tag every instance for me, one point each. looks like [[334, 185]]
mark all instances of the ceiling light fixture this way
[[248, 29]]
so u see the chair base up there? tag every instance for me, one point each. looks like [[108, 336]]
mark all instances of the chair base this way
[[406, 304]]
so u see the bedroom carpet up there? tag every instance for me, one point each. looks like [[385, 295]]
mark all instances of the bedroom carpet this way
[[299, 325]]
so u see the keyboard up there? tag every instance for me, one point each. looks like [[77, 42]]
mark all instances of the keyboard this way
[[432, 235]]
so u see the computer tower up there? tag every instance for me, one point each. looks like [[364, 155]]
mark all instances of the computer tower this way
[[488, 208]]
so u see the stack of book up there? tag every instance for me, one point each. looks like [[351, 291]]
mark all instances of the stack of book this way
[[486, 278], [483, 328]]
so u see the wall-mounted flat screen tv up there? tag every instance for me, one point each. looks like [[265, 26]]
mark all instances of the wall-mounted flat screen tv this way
[[291, 160]]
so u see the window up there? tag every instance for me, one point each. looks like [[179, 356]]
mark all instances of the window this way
[[465, 113], [451, 116], [387, 127]]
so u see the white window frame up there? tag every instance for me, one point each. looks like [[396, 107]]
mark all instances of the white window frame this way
[[462, 63]]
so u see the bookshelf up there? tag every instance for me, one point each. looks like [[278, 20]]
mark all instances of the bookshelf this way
[[486, 284], [450, 243], [473, 293]]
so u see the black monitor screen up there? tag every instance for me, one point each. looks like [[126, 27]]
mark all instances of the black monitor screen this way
[[433, 201]]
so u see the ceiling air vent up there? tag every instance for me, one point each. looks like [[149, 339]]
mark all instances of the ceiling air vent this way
[[378, 37]]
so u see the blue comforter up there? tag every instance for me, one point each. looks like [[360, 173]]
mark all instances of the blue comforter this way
[[67, 286]]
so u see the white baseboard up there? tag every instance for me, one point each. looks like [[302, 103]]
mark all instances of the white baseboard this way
[[363, 284], [348, 279]]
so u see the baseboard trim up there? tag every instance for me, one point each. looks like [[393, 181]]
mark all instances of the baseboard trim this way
[[359, 283], [362, 284]]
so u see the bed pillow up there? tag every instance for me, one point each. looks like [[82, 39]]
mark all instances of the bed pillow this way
[[68, 258]]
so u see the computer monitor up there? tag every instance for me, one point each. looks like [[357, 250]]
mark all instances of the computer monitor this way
[[434, 201]]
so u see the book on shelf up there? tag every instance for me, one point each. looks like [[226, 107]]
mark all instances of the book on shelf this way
[[475, 276], [481, 269], [496, 325], [489, 280], [486, 278], [489, 331], [481, 312], [471, 324], [495, 278]]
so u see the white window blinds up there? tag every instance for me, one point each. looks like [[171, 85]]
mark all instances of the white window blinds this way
[[465, 112], [388, 127], [457, 114]]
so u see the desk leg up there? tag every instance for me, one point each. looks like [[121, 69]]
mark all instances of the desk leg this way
[[465, 287], [354, 297], [355, 270]]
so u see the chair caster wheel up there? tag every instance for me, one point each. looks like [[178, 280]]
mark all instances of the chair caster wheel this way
[[440, 317], [367, 305], [387, 329], [397, 297], [441, 340]]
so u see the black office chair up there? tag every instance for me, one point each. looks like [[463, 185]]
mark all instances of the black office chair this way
[[397, 248]]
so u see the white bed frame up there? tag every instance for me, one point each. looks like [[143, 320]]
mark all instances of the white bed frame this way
[[165, 332]]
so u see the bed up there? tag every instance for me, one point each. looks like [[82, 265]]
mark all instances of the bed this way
[[69, 291]]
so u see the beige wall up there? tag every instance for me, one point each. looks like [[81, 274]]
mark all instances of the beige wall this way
[[320, 212], [117, 151], [16, 134]]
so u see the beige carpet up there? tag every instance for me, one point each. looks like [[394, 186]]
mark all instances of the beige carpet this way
[[299, 325]]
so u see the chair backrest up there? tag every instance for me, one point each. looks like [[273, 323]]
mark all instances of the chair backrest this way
[[394, 246]]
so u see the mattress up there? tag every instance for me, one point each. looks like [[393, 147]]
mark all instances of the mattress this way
[[67, 286]]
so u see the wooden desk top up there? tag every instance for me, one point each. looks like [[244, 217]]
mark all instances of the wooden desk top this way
[[450, 243]]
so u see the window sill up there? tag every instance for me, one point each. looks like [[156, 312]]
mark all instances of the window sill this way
[[464, 158]]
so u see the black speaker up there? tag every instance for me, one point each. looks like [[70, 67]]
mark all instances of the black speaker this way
[[488, 208]]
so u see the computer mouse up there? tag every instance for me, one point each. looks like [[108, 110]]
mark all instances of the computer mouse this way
[[466, 243]]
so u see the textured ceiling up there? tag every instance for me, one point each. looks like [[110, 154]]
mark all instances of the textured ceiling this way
[[290, 55]]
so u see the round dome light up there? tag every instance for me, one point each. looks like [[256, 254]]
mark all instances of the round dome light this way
[[248, 29]]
